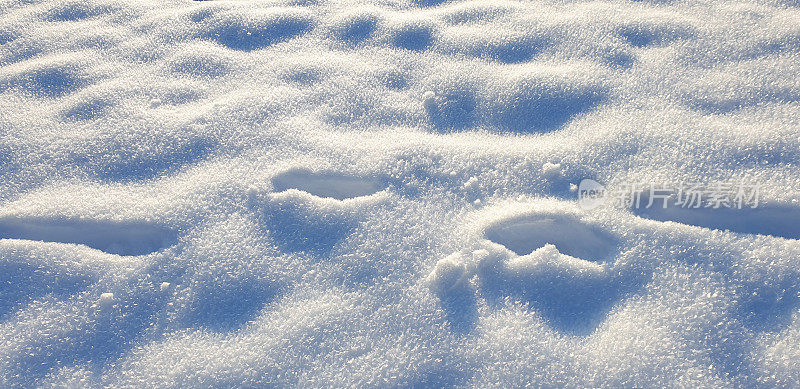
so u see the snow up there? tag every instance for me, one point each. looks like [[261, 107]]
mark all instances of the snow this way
[[449, 273], [237, 193], [106, 300]]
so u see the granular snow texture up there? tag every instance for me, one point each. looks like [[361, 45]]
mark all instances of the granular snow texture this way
[[330, 193]]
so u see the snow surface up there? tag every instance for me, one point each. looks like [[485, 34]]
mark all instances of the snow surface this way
[[343, 193]]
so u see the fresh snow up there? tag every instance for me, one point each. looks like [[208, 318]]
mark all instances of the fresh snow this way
[[323, 193]]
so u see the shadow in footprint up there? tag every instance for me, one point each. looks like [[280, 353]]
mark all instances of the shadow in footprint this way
[[572, 301], [571, 237], [297, 226], [332, 185], [558, 270], [766, 219], [121, 238]]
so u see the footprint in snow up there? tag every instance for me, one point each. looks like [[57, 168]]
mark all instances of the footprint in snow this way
[[554, 261], [315, 224], [120, 238], [557, 263], [765, 219], [326, 184]]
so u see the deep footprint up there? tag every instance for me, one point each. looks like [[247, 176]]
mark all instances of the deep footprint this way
[[113, 238], [571, 237], [766, 219], [558, 269], [332, 185]]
